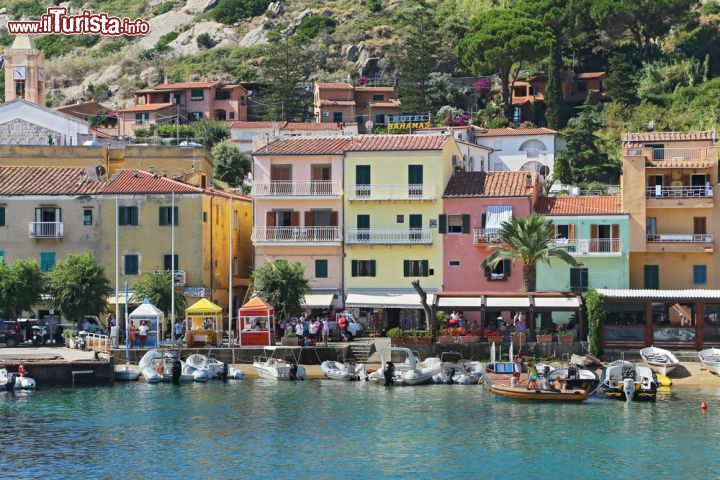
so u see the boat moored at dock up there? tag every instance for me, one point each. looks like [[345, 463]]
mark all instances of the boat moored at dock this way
[[710, 359], [271, 367], [629, 381], [523, 393], [659, 359]]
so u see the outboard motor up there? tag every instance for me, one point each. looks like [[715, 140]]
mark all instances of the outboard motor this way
[[572, 372], [389, 373], [450, 375], [224, 373], [293, 371], [546, 371], [11, 379], [628, 387], [176, 372]]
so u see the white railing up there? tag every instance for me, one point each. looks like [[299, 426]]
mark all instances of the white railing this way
[[46, 230], [481, 235], [680, 238], [589, 246], [679, 192], [388, 236], [296, 234], [97, 342], [310, 188], [690, 153], [378, 191]]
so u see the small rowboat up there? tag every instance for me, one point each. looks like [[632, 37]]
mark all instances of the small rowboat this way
[[710, 359], [659, 359], [522, 393]]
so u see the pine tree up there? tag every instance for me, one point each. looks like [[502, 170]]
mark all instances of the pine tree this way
[[555, 107], [622, 84], [285, 68]]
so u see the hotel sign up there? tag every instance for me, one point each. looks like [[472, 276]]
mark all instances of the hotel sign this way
[[405, 122]]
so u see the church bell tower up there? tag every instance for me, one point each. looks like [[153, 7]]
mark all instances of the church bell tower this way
[[24, 71]]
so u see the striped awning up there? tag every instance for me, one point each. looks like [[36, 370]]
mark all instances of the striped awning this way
[[496, 216], [385, 299]]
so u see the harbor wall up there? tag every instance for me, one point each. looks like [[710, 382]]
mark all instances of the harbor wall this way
[[308, 356], [64, 373]]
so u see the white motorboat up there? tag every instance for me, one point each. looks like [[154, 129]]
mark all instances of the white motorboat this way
[[278, 368], [575, 378], [455, 370], [21, 383], [342, 371], [124, 373], [629, 381], [710, 359], [156, 366], [209, 363], [659, 359], [235, 374], [403, 371]]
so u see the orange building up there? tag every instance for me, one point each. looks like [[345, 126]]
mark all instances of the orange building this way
[[344, 102]]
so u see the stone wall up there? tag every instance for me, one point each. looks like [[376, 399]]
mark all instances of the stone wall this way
[[21, 132]]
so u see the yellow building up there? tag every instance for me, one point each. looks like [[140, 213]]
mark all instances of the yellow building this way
[[393, 188], [668, 190]]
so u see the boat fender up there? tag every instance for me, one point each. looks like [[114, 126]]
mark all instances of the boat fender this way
[[11, 379], [389, 373], [703, 405], [176, 372], [293, 371], [224, 374]]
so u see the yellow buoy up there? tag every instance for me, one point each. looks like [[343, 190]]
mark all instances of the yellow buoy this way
[[664, 380]]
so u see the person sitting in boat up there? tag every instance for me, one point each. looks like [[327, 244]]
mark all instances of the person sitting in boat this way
[[558, 384], [532, 377]]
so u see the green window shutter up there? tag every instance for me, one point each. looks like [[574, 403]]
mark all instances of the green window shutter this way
[[699, 274], [442, 224], [122, 216], [574, 278], [415, 174], [372, 268], [321, 268], [354, 264], [651, 275], [163, 216], [2, 256], [425, 268], [176, 216], [415, 221], [362, 174], [47, 261], [363, 221], [131, 264], [133, 215], [584, 278], [406, 268], [2, 216], [466, 223], [507, 266]]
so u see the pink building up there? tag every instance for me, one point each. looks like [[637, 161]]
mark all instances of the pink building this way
[[190, 100], [475, 204], [344, 102]]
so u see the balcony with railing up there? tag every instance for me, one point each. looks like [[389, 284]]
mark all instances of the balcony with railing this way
[[297, 235], [309, 188], [388, 236], [661, 154], [482, 235], [679, 192], [680, 242], [46, 230], [379, 191], [597, 247]]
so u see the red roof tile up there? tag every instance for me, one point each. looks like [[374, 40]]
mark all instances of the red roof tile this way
[[600, 205], [306, 146], [337, 102], [669, 136], [511, 132], [381, 143], [679, 164], [335, 86], [375, 89], [147, 107], [164, 86], [137, 181], [391, 103], [586, 75], [46, 181], [311, 126], [489, 184], [239, 124]]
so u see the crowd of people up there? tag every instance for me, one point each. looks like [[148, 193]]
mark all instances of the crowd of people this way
[[309, 331]]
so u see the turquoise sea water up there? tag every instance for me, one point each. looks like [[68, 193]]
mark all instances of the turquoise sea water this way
[[326, 430]]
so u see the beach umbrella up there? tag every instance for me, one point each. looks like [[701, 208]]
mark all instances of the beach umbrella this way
[[510, 355], [492, 353]]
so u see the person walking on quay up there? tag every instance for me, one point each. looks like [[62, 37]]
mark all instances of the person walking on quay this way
[[325, 330], [178, 329], [299, 330], [517, 367], [318, 329], [312, 332], [532, 377], [131, 332], [143, 331]]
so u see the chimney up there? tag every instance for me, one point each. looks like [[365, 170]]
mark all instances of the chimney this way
[[206, 79], [151, 169], [529, 180], [166, 79], [164, 173]]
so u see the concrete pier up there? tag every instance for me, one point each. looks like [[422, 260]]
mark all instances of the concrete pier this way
[[58, 366]]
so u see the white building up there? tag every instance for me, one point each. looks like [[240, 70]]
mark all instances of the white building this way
[[513, 149], [26, 123], [242, 134]]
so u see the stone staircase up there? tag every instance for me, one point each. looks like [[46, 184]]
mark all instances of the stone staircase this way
[[361, 351]]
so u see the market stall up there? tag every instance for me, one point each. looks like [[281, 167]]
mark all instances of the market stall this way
[[256, 323], [148, 314], [204, 324]]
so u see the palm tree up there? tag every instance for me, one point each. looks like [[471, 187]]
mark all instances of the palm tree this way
[[529, 240]]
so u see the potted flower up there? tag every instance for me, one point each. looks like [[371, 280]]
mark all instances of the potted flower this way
[[397, 336], [468, 338], [289, 340], [565, 336], [68, 336], [446, 336], [494, 337], [544, 336], [519, 337], [420, 337]]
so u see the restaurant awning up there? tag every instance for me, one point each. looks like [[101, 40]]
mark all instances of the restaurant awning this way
[[318, 300], [459, 302], [496, 216], [507, 302], [557, 302], [385, 299]]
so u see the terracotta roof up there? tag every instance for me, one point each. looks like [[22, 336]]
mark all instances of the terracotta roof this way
[[600, 205], [306, 146], [100, 134], [311, 126], [475, 145], [148, 107], [137, 181], [46, 181], [679, 164], [361, 143], [489, 184], [511, 132], [392, 103], [669, 136], [375, 89], [337, 102], [165, 86], [239, 124], [586, 75], [335, 86]]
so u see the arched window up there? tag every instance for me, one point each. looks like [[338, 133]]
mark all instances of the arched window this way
[[532, 147]]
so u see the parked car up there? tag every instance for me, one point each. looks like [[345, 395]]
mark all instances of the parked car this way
[[354, 327], [10, 333]]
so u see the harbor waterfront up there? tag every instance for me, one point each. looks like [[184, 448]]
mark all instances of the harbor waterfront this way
[[325, 429]]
